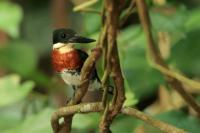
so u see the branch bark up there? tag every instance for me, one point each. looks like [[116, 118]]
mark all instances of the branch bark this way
[[98, 107], [112, 66]]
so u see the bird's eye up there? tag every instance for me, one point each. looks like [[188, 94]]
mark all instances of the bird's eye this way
[[63, 35]]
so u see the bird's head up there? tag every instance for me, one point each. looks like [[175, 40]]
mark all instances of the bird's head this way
[[67, 37]]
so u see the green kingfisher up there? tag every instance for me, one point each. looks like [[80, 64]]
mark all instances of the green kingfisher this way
[[68, 61]]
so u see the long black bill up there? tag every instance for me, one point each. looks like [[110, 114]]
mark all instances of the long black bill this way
[[80, 39]]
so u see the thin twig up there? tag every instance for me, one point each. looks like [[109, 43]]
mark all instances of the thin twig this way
[[192, 83], [104, 125], [128, 12], [84, 5], [89, 10], [107, 70], [155, 55], [104, 44]]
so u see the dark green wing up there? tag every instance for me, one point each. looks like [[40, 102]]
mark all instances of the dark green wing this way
[[83, 55]]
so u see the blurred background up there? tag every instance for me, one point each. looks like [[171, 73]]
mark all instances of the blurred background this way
[[30, 91]]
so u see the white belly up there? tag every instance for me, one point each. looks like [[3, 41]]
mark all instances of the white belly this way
[[75, 80], [71, 78]]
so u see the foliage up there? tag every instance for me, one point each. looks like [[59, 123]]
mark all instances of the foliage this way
[[10, 117], [24, 55], [182, 60], [11, 91], [18, 57], [125, 124], [179, 119], [11, 15], [34, 124]]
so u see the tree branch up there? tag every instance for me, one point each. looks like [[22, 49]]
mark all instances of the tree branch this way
[[192, 83], [155, 55], [84, 5], [130, 10], [97, 107], [90, 10], [166, 128], [112, 65]]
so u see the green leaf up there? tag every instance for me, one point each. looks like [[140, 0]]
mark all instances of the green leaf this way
[[91, 22], [181, 120], [93, 19], [139, 74], [193, 20], [11, 91], [124, 124], [170, 22], [130, 96], [185, 54], [10, 117], [18, 57], [170, 19], [131, 36], [38, 123], [85, 121], [176, 118], [11, 16]]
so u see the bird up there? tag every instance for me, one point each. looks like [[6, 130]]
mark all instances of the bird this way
[[68, 61]]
